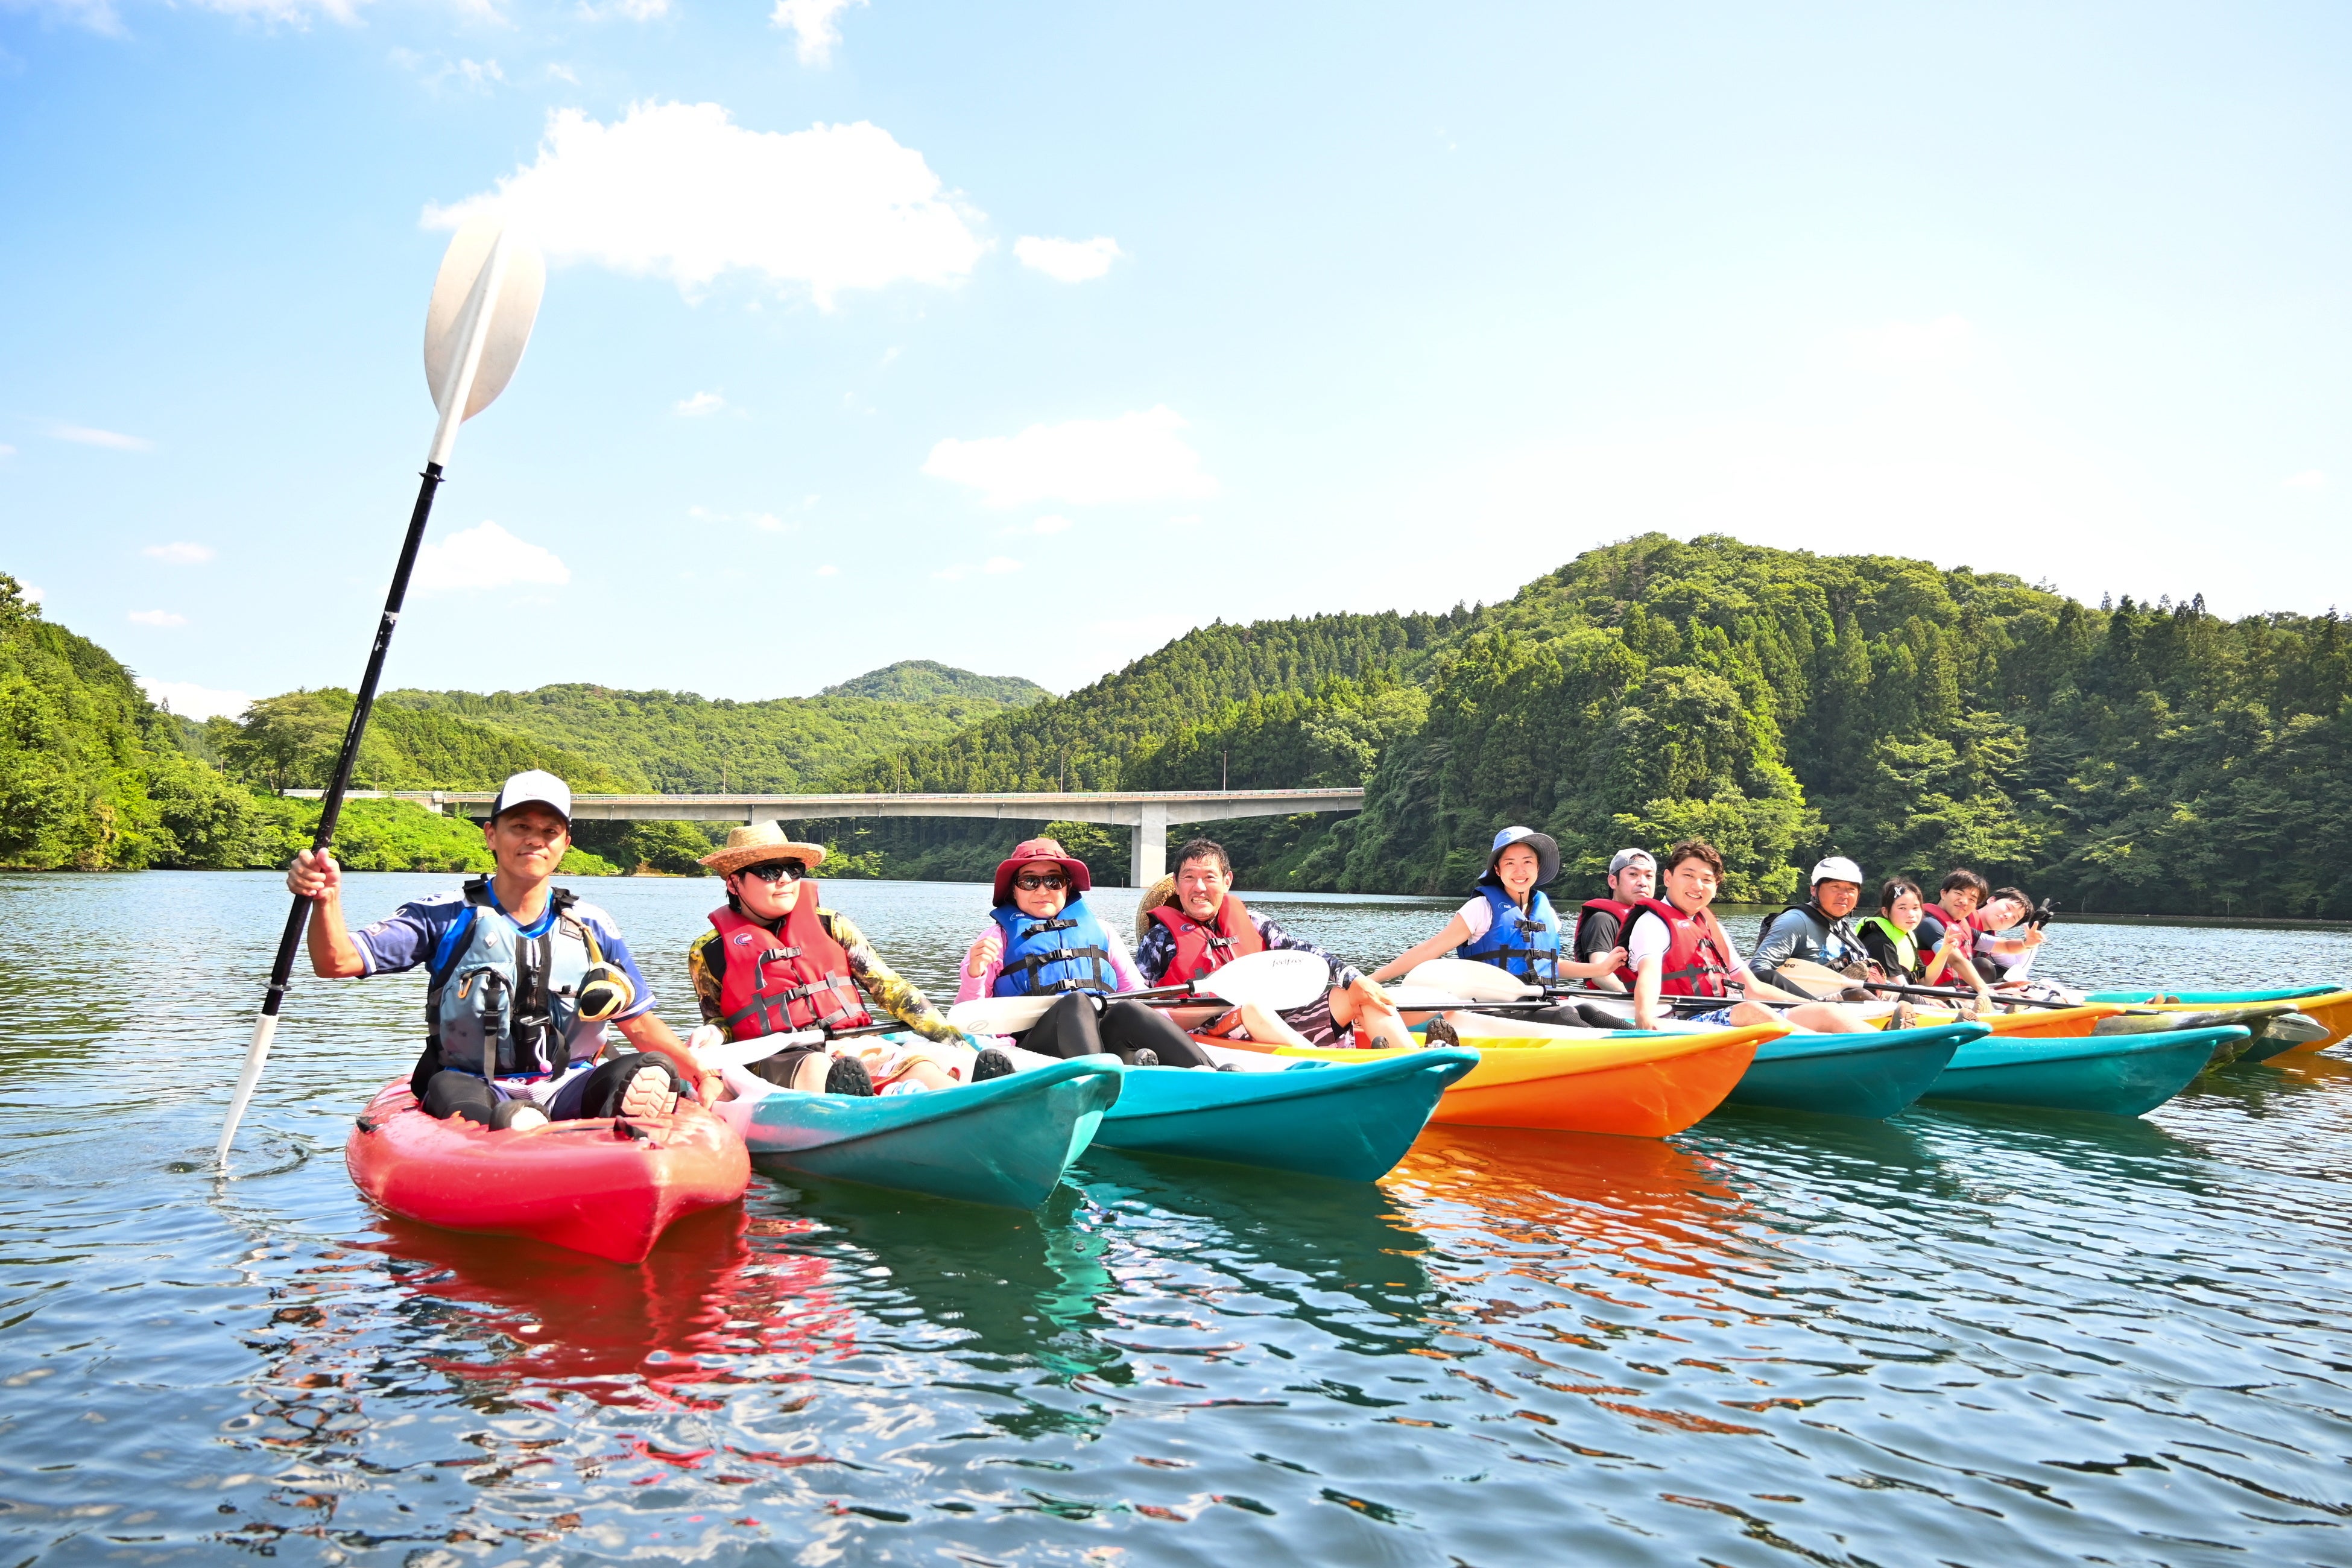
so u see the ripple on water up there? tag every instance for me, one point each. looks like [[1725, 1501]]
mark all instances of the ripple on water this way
[[1962, 1336]]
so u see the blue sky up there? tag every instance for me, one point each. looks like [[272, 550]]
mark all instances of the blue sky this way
[[1024, 337]]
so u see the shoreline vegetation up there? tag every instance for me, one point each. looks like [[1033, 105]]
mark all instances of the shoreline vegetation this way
[[2132, 761]]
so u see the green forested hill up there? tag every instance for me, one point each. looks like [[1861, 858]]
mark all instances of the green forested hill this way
[[677, 743], [2123, 758]]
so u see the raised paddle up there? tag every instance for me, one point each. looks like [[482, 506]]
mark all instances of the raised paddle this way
[[484, 302], [1280, 979]]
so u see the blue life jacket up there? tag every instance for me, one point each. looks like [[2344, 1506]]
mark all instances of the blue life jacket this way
[[504, 1005], [1070, 951], [1526, 945]]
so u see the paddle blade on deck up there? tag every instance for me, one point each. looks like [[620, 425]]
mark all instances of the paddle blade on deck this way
[[1278, 980], [1471, 981]]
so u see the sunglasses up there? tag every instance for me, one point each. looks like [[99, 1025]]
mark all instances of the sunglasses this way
[[778, 872], [1034, 884]]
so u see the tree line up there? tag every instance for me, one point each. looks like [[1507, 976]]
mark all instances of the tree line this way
[[2128, 757]]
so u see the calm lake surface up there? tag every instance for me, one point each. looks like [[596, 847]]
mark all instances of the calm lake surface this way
[[1979, 1338]]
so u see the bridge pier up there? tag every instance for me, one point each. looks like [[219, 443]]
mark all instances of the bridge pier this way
[[1146, 861]]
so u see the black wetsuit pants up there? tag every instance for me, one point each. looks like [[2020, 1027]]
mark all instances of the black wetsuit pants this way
[[1083, 1026], [592, 1095]]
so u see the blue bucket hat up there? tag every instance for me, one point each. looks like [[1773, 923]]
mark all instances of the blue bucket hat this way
[[1547, 850]]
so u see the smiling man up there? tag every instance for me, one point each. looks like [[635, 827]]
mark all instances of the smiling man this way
[[1819, 930], [523, 979]]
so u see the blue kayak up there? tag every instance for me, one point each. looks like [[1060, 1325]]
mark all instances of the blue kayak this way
[[2121, 1074], [1351, 1120], [1874, 1074], [1005, 1142]]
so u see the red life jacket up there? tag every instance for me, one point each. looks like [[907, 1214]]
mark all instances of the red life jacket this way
[[781, 981], [1624, 915], [1202, 948], [1694, 965]]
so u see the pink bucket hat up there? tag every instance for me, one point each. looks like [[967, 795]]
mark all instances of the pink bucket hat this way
[[1033, 851]]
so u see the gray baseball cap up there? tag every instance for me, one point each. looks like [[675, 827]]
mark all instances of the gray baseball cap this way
[[1624, 857], [533, 788]]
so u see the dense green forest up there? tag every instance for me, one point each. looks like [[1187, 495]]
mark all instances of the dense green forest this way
[[2128, 757]]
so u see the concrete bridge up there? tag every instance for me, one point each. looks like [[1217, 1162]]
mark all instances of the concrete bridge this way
[[1147, 812]]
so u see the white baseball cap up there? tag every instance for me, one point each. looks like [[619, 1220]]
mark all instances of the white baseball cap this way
[[1624, 857], [1837, 868], [533, 788]]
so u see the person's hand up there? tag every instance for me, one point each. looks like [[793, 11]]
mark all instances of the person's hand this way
[[1618, 959], [985, 952], [2034, 936], [313, 874], [702, 1038], [1368, 991]]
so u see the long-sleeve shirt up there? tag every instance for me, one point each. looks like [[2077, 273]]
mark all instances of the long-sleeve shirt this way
[[985, 961], [1803, 933], [1158, 950], [706, 962]]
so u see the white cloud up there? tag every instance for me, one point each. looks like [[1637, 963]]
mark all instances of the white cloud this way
[[700, 404], [998, 565], [2309, 479], [1947, 342], [31, 594], [193, 701], [1071, 260], [487, 556], [828, 571], [1084, 462], [180, 554], [812, 26], [679, 191], [1188, 520], [163, 619], [84, 435], [562, 73], [643, 10], [6, 451]]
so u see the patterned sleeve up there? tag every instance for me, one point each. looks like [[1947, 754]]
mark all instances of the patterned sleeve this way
[[1154, 952], [1274, 937], [705, 977], [894, 994]]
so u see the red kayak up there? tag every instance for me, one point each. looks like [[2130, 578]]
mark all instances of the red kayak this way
[[607, 1187]]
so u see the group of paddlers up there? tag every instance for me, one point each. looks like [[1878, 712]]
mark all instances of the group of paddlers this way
[[525, 980]]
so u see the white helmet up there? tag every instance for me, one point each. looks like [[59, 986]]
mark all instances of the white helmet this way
[[1835, 868]]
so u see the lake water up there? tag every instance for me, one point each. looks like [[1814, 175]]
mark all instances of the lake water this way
[[1977, 1338]]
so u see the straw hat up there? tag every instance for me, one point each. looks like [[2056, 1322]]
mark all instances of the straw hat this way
[[759, 843]]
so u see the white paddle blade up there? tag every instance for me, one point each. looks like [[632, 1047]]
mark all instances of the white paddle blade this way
[[1281, 979], [1409, 998], [999, 1014], [1471, 980], [462, 299], [723, 1054]]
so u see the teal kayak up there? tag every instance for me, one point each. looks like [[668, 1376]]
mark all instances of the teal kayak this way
[[1005, 1142], [1874, 1074], [1350, 1121], [2120, 1075], [2209, 998]]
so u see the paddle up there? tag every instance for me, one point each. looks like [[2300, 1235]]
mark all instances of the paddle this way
[[759, 1048], [1812, 974], [1280, 980], [485, 300]]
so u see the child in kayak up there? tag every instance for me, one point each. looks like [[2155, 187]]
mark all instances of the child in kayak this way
[[1891, 939], [1042, 938], [775, 963], [1508, 922], [1202, 927], [524, 979]]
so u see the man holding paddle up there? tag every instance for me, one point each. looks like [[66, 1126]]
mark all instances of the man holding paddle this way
[[1206, 927], [524, 979]]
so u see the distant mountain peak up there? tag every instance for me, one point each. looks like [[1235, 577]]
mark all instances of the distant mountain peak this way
[[924, 680]]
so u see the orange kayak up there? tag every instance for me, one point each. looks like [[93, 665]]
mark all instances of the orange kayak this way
[[2333, 1010], [1640, 1086], [607, 1187]]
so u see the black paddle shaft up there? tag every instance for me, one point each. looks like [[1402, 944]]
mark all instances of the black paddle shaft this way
[[331, 805]]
